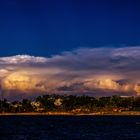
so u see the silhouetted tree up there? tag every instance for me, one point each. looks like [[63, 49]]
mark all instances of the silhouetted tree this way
[[26, 106]]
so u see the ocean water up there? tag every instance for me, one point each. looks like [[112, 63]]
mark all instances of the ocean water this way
[[69, 128]]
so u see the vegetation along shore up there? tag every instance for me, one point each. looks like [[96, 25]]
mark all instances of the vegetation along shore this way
[[72, 105]]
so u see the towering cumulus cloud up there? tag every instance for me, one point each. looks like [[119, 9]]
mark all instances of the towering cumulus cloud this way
[[98, 71]]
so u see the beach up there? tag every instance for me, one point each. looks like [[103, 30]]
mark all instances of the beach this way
[[131, 113]]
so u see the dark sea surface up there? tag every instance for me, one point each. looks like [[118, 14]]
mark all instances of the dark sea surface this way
[[69, 127]]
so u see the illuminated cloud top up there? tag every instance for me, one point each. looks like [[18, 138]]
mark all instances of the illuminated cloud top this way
[[92, 71]]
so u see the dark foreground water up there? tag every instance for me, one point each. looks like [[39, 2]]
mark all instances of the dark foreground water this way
[[69, 128]]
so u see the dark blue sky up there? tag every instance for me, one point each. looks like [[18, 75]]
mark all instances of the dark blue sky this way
[[46, 27]]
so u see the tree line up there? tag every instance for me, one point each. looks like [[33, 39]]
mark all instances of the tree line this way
[[71, 103]]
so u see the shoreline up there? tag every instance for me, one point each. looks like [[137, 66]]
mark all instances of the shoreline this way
[[128, 113]]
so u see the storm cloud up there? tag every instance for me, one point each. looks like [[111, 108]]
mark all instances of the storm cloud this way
[[85, 70]]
